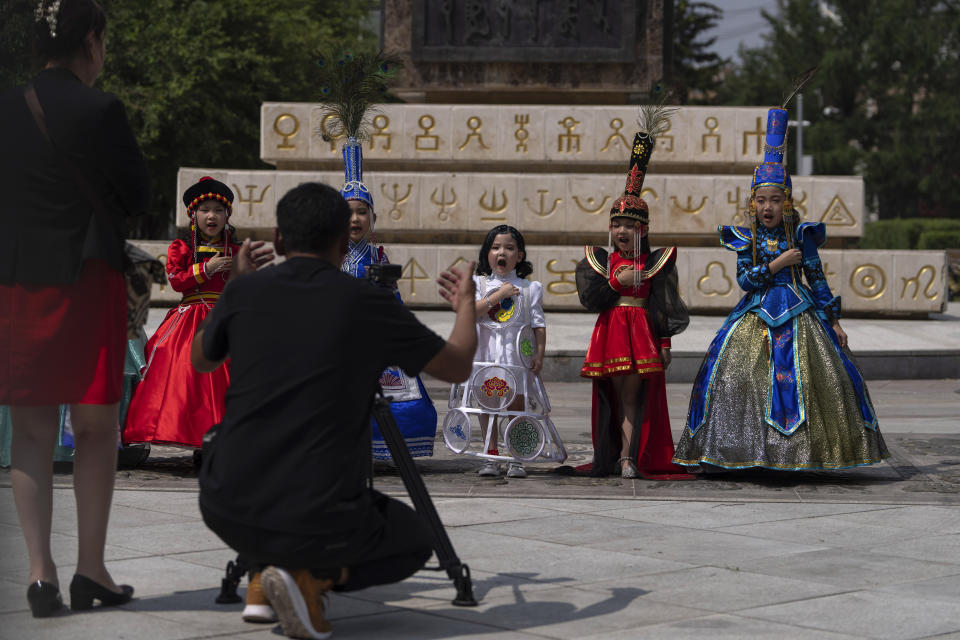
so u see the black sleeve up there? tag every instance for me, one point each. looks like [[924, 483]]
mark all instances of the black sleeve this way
[[123, 164], [595, 292], [216, 344], [397, 337], [667, 310]]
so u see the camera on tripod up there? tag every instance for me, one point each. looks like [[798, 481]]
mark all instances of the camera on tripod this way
[[384, 275]]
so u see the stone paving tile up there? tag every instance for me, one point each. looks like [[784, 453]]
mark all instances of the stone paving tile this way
[[571, 529], [853, 568], [596, 505], [935, 548], [13, 595], [717, 589], [715, 515], [945, 589], [13, 554], [420, 625], [826, 530], [92, 625], [172, 537], [704, 547], [923, 518], [544, 561], [876, 615], [475, 511], [723, 627], [572, 613]]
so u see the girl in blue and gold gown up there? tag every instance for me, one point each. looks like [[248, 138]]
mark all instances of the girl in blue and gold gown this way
[[411, 406], [778, 388]]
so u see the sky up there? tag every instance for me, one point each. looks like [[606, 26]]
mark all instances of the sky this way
[[741, 22]]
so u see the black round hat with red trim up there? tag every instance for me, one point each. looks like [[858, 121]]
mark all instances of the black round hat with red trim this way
[[207, 189]]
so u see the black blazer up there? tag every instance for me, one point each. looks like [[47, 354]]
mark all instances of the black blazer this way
[[47, 227]]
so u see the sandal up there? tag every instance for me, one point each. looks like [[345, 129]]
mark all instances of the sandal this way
[[629, 470]]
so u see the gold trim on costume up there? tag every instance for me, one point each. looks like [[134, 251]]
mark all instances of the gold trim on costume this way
[[665, 256], [627, 301], [196, 273], [205, 296], [590, 254]]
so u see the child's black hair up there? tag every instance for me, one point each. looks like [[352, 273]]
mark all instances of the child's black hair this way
[[524, 267]]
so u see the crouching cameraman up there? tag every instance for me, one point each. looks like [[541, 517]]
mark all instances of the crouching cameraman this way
[[284, 475]]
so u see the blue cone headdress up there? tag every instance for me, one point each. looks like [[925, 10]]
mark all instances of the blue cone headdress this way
[[353, 186], [772, 172]]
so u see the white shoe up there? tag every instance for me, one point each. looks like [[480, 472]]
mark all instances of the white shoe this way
[[490, 469], [516, 470]]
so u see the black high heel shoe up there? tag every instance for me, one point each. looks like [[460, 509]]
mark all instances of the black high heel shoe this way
[[44, 599], [83, 591]]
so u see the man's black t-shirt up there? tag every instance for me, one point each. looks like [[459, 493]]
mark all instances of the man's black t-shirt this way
[[307, 344]]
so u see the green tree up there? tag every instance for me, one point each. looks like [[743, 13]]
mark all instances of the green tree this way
[[695, 70], [194, 73], [882, 104]]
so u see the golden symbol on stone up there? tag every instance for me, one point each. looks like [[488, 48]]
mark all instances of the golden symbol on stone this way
[[328, 133], [712, 124], [740, 215], [826, 271], [648, 191], [543, 212], [837, 214], [563, 286], [250, 200], [474, 123], [494, 206], [868, 281], [521, 134], [286, 135], [800, 204], [592, 207], [758, 133], [570, 138], [726, 284], [413, 272], [380, 123], [666, 141], [692, 210], [443, 202], [427, 141], [616, 124], [395, 212], [915, 281], [456, 263]]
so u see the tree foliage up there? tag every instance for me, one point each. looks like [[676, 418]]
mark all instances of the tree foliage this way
[[695, 73], [883, 103], [194, 73]]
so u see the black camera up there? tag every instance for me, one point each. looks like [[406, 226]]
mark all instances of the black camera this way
[[385, 275]]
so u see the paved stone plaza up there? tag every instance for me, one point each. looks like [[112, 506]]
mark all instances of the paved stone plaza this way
[[867, 553]]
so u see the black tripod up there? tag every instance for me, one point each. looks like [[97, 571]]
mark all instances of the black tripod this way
[[447, 557]]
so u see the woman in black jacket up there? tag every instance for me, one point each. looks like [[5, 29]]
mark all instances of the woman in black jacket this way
[[70, 172]]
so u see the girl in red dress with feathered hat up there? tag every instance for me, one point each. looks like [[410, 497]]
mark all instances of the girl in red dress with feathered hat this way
[[175, 404], [635, 291]]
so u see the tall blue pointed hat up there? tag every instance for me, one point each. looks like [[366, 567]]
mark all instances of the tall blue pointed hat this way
[[353, 186], [772, 172], [351, 84]]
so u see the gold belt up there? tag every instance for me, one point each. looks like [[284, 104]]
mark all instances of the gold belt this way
[[626, 301], [194, 298]]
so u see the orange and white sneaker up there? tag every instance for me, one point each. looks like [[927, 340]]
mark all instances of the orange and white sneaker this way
[[297, 597], [257, 607]]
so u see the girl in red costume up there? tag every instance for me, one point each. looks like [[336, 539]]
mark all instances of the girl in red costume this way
[[635, 291], [174, 404]]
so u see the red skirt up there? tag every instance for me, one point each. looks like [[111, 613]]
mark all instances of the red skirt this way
[[64, 343], [174, 403], [623, 343]]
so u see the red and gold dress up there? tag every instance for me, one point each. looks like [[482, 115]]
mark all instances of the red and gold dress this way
[[175, 404], [634, 324]]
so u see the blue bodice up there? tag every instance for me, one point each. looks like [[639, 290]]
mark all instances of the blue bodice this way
[[359, 256], [778, 297]]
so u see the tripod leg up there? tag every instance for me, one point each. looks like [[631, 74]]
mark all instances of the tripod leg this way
[[230, 582], [456, 571]]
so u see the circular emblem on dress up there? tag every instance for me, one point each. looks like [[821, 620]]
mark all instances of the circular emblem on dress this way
[[504, 313], [526, 346], [525, 438], [494, 388], [457, 431]]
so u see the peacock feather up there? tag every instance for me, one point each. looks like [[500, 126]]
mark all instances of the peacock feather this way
[[350, 84], [654, 119], [799, 82]]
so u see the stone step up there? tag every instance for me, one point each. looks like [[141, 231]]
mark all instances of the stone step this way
[[870, 283], [558, 203], [535, 137]]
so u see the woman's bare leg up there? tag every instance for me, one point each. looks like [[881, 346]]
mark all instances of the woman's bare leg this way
[[31, 473], [95, 432]]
